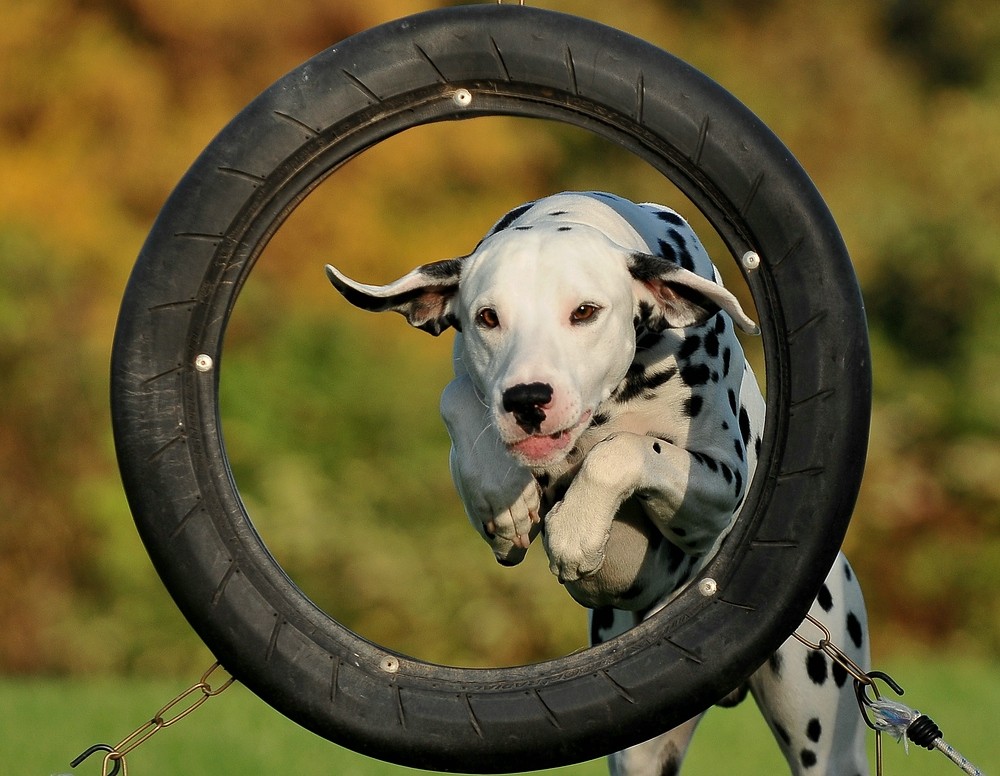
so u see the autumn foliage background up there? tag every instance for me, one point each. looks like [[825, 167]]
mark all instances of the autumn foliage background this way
[[331, 416]]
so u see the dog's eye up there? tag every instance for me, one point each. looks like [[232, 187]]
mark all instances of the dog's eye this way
[[584, 313], [487, 318]]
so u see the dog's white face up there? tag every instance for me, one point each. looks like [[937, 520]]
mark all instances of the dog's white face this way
[[547, 311], [538, 310]]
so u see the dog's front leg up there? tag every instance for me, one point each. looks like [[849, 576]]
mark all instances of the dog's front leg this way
[[686, 505], [501, 497]]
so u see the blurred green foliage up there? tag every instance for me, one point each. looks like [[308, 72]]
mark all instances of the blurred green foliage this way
[[330, 415]]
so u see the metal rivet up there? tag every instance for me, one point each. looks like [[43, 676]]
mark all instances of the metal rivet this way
[[751, 260], [203, 362], [462, 98], [708, 587], [389, 664]]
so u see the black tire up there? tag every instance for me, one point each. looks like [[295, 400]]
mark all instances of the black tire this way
[[510, 61]]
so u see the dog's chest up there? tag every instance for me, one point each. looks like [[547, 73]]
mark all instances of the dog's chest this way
[[683, 387]]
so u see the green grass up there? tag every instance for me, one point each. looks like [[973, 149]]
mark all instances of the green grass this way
[[46, 723]]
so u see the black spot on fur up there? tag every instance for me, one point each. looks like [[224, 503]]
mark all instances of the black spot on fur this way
[[695, 374], [671, 767], [555, 213], [854, 629], [775, 662], [638, 384], [726, 472], [745, 425], [564, 229], [683, 254], [782, 733], [667, 251], [824, 598], [814, 730], [727, 356], [847, 572], [808, 758], [670, 218], [511, 217], [839, 674], [738, 482], [523, 228], [645, 266], [452, 320], [692, 406], [816, 667], [738, 447], [756, 450], [712, 344], [646, 339], [689, 347], [656, 447], [732, 400], [705, 460], [644, 314]]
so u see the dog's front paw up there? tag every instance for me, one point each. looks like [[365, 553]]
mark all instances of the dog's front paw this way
[[575, 546], [506, 514], [511, 530]]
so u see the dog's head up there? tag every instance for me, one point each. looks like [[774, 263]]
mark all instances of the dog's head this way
[[548, 318]]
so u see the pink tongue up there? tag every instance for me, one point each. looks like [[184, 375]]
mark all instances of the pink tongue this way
[[541, 446]]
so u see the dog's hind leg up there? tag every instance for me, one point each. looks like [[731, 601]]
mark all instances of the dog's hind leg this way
[[807, 699], [660, 756]]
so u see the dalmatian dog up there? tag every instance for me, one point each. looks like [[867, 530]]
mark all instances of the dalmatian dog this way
[[602, 401]]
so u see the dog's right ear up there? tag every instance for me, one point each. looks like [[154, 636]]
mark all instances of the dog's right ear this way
[[424, 295], [682, 298]]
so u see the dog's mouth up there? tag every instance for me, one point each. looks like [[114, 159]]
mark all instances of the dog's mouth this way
[[542, 449]]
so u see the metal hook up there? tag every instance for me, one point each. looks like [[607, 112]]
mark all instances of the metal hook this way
[[888, 680], [860, 690], [99, 748]]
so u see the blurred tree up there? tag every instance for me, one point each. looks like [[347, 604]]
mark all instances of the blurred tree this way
[[950, 44]]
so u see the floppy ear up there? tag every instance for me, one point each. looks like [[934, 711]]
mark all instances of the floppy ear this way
[[424, 295], [681, 298]]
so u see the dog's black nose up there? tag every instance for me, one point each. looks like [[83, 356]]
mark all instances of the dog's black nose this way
[[525, 402]]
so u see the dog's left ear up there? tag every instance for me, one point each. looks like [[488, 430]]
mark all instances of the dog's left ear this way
[[424, 295], [681, 298]]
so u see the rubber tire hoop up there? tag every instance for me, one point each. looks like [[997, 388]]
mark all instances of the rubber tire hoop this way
[[512, 61]]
